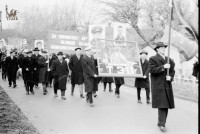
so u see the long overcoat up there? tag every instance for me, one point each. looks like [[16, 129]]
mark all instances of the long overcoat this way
[[60, 72], [162, 93], [36, 72], [12, 67], [43, 73], [28, 63], [141, 82], [75, 66], [88, 64]]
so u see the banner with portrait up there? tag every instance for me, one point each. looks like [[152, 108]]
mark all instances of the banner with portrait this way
[[117, 59]]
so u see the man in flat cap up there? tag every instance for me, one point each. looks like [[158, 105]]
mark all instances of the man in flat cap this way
[[162, 93], [60, 72], [12, 67], [75, 66], [89, 74], [143, 82], [36, 56], [29, 65]]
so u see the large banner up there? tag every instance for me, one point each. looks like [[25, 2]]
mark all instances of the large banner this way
[[118, 59], [66, 41]]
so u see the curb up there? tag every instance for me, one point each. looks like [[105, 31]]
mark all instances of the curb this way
[[175, 95]]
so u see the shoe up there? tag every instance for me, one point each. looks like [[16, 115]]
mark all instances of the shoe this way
[[14, 86], [32, 92], [162, 129], [95, 95], [64, 98], [148, 101], [27, 93], [104, 90], [55, 95], [91, 105], [117, 95], [82, 96], [72, 94], [9, 85], [44, 93], [139, 101], [110, 90]]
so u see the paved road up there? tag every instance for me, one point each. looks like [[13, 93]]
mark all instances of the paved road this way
[[110, 115]]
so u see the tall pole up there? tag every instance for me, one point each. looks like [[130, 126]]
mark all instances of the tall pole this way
[[169, 40], [1, 29]]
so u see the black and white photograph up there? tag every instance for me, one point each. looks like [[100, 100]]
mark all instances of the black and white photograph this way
[[99, 66]]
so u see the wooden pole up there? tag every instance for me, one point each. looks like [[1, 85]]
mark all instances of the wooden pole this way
[[169, 40]]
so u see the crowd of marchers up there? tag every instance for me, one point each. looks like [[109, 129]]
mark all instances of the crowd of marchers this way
[[54, 70]]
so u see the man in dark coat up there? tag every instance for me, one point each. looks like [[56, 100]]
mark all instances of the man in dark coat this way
[[75, 66], [143, 82], [89, 75], [60, 72], [43, 70], [12, 67], [162, 93], [21, 64], [29, 65], [36, 56]]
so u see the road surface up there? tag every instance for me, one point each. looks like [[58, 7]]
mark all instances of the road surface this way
[[111, 115]]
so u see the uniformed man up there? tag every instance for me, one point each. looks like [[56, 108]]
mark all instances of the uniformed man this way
[[162, 93]]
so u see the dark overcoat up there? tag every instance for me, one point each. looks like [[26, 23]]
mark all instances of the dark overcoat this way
[[28, 63], [75, 66], [162, 93], [141, 82], [119, 80], [43, 73], [12, 67], [60, 72], [36, 72], [88, 64]]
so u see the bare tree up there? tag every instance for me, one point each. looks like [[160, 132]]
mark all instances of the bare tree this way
[[127, 11]]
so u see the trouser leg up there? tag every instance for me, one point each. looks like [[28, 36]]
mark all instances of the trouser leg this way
[[147, 93], [80, 88], [110, 86], [104, 85], [44, 87], [117, 90], [89, 97], [162, 116], [62, 92], [55, 86], [72, 88], [138, 93]]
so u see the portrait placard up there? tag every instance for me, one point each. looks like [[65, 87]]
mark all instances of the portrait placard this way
[[118, 60]]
